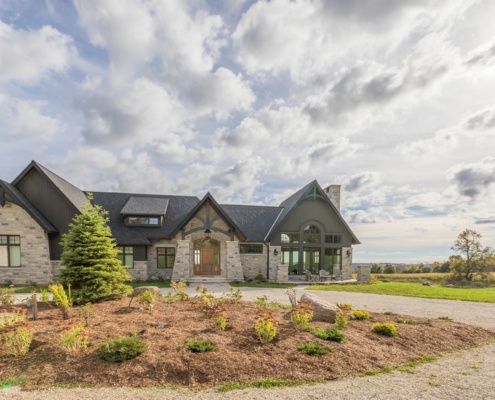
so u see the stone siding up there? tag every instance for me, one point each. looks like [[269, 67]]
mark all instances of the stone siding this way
[[282, 273], [274, 261], [234, 267], [346, 263], [254, 264], [139, 272], [182, 267], [363, 274], [35, 254]]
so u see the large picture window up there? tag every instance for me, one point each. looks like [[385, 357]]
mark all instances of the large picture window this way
[[126, 256], [311, 234], [10, 251], [251, 248], [165, 257]]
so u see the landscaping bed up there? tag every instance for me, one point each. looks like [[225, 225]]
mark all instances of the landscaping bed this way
[[239, 357]]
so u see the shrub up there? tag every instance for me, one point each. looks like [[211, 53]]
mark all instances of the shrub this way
[[313, 349], [199, 346], [7, 296], [16, 341], [360, 315], [341, 320], [84, 312], [344, 306], [221, 322], [75, 337], [302, 314], [333, 333], [121, 349], [61, 299], [406, 321], [234, 296], [388, 329], [16, 317], [179, 289], [266, 326], [146, 299]]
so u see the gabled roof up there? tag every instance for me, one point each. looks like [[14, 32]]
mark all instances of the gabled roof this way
[[18, 198], [145, 206], [209, 198], [72, 193], [254, 221], [312, 189]]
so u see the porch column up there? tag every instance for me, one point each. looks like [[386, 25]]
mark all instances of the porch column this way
[[182, 265], [274, 261], [234, 267]]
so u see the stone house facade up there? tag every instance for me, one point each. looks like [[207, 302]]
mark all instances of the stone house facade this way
[[175, 237]]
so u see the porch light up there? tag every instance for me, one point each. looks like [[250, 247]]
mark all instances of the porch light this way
[[275, 252], [207, 234], [349, 252]]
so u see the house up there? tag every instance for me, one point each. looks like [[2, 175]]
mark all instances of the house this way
[[175, 237]]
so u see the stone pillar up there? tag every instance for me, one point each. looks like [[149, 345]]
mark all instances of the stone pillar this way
[[273, 262], [182, 266], [346, 263], [234, 267], [282, 273], [363, 273]]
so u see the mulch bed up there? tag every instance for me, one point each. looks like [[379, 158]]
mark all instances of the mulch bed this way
[[240, 356]]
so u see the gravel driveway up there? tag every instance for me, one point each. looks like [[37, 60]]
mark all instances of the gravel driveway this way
[[462, 375]]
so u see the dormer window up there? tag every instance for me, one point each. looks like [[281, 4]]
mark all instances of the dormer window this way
[[143, 221]]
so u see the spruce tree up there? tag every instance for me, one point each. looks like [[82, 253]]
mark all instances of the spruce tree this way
[[90, 258]]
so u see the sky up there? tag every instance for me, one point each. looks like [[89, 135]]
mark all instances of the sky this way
[[252, 100]]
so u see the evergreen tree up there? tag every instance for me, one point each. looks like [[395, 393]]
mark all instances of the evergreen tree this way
[[90, 258]]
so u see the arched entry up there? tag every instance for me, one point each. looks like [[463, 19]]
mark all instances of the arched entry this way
[[206, 257]]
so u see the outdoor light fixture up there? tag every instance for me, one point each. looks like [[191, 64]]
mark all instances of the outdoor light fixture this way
[[275, 252], [349, 252], [207, 234]]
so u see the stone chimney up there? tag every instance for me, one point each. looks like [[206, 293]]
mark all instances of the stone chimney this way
[[333, 193]]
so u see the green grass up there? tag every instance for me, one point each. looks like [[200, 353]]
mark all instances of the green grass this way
[[7, 383], [263, 384], [484, 295], [263, 285]]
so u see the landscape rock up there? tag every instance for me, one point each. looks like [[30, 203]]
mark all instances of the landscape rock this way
[[140, 290], [324, 310]]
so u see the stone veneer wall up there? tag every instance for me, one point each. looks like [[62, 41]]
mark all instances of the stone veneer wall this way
[[346, 264], [274, 261], [35, 253], [282, 273], [139, 272], [254, 264], [153, 270], [182, 260], [363, 273], [234, 267]]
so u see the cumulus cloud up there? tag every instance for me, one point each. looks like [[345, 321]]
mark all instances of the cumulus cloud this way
[[474, 179], [360, 181], [30, 55]]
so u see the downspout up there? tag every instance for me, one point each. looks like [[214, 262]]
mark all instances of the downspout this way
[[267, 244]]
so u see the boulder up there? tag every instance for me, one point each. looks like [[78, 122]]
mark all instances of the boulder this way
[[324, 310], [139, 290]]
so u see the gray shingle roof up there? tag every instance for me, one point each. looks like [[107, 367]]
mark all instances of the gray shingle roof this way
[[145, 206], [178, 208], [21, 200], [254, 221]]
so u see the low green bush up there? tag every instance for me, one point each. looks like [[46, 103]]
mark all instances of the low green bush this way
[[313, 349], [121, 349], [341, 320], [199, 346], [333, 333], [360, 315], [385, 329]]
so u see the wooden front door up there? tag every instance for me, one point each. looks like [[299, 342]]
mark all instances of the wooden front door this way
[[206, 258]]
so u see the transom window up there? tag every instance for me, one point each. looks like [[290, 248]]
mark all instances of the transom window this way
[[311, 234], [10, 251], [289, 237], [143, 221], [251, 248], [333, 238], [165, 257], [126, 256]]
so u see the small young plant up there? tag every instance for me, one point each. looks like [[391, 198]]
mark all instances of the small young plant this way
[[341, 320], [333, 333], [406, 321], [234, 296], [261, 302], [7, 296], [199, 346], [62, 300], [179, 290], [388, 329], [302, 314], [221, 322], [344, 306], [313, 349], [45, 295], [146, 300], [84, 312], [16, 317], [16, 342], [76, 337], [266, 326], [121, 349], [360, 315]]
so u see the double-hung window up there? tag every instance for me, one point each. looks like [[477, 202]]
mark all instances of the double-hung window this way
[[10, 251], [126, 256], [165, 257]]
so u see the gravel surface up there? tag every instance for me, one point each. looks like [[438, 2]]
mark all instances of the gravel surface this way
[[463, 375]]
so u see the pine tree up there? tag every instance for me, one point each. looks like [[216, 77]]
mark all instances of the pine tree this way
[[90, 258]]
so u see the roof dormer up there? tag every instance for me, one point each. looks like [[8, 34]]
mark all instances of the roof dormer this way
[[144, 211]]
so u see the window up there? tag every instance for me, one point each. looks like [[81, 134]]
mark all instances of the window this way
[[251, 249], [333, 238], [165, 257], [126, 256], [197, 257], [333, 260], [311, 234], [289, 237], [290, 256], [143, 221], [10, 251]]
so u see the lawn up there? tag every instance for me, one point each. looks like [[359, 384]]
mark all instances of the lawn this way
[[263, 285], [485, 295]]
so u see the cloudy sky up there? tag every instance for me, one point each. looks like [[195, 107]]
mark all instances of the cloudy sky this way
[[251, 100]]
